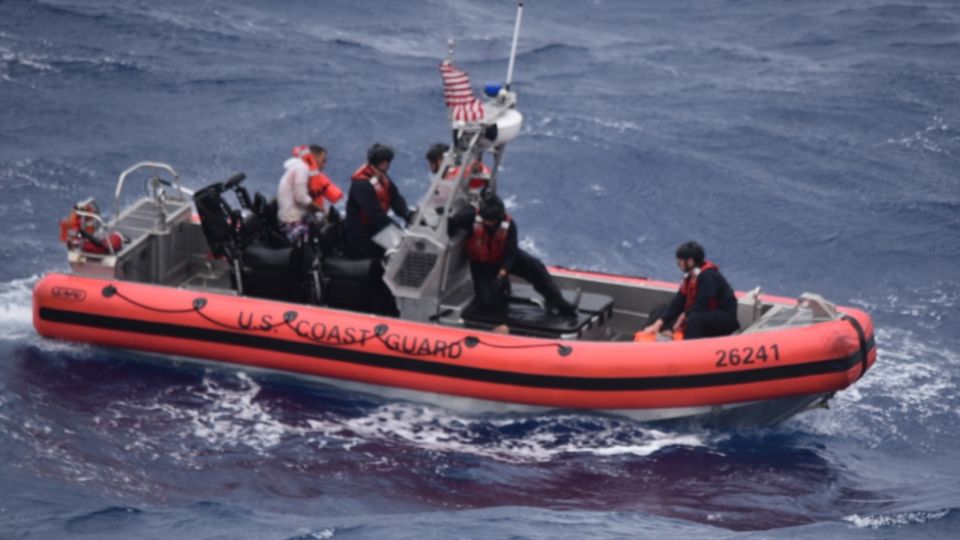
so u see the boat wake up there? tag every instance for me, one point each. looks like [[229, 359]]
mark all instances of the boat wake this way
[[129, 424], [232, 412], [229, 410], [910, 397], [16, 311], [223, 410], [879, 521], [514, 439]]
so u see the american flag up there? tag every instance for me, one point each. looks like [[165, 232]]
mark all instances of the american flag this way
[[464, 105]]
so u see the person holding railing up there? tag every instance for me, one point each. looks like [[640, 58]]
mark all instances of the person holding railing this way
[[494, 254]]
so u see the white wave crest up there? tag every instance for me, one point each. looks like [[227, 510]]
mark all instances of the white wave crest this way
[[12, 57], [16, 308], [877, 521], [906, 384], [437, 430], [229, 418], [529, 244], [16, 318], [511, 202], [934, 137]]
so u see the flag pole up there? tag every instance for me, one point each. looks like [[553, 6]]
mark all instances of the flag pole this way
[[513, 48]]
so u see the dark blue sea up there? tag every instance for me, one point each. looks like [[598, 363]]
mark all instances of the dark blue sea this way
[[809, 145]]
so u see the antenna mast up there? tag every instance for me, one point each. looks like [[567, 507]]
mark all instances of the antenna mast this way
[[513, 48]]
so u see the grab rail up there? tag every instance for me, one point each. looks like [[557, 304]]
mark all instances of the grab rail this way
[[135, 167]]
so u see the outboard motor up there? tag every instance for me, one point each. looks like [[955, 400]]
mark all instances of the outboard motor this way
[[222, 225], [270, 233]]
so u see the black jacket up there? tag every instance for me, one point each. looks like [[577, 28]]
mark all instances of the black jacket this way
[[710, 284], [363, 196]]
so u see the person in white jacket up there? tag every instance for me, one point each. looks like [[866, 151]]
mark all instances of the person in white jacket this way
[[302, 189]]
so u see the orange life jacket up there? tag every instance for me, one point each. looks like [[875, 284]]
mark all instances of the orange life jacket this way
[[484, 247], [381, 185], [319, 186], [688, 288], [71, 226], [480, 175]]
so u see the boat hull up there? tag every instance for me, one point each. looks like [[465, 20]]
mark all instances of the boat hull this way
[[650, 381]]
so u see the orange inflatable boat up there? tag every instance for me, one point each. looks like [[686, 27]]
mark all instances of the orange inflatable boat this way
[[172, 287], [192, 275]]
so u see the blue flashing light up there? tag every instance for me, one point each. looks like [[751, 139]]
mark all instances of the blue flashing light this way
[[492, 89]]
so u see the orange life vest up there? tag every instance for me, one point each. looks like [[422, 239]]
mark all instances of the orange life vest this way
[[480, 175], [381, 185], [92, 239], [319, 186], [483, 247], [688, 288], [71, 225]]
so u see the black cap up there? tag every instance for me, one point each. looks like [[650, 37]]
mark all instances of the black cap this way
[[435, 153], [492, 208], [691, 250], [378, 153]]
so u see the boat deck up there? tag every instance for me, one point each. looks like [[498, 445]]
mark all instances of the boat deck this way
[[166, 246]]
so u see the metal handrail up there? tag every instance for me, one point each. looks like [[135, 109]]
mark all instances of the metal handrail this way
[[133, 168]]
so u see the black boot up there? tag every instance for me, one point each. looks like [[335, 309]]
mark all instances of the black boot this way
[[562, 307]]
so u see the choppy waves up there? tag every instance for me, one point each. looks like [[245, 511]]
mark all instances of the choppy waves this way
[[818, 141]]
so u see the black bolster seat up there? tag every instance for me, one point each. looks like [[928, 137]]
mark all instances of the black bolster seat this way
[[259, 256], [339, 267], [272, 273], [352, 283]]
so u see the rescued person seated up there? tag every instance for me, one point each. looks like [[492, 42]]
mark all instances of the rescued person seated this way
[[494, 254], [705, 305]]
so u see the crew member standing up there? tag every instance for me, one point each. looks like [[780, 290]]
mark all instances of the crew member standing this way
[[372, 194], [705, 305], [302, 189], [494, 254]]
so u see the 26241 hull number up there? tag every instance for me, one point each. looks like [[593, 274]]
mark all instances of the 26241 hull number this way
[[748, 355]]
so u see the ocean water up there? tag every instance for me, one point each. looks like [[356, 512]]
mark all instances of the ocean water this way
[[810, 146]]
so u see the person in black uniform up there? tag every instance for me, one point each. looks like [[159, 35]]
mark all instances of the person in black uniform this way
[[705, 305], [494, 254], [372, 195]]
